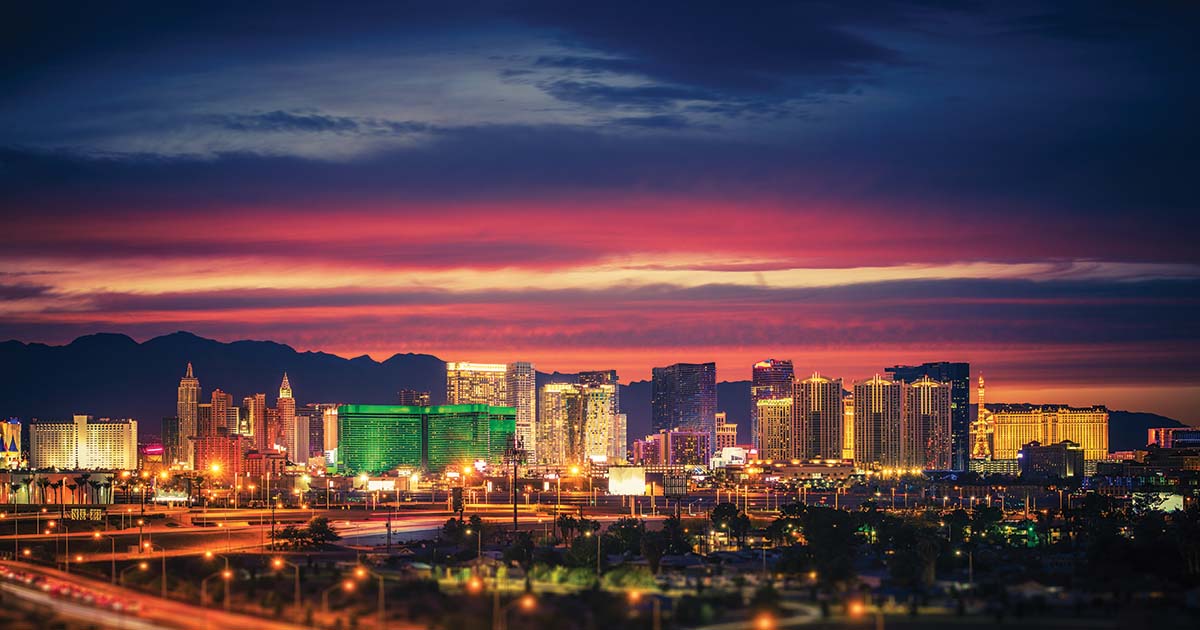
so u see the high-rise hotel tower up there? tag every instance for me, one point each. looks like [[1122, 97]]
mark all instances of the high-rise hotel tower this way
[[187, 409]]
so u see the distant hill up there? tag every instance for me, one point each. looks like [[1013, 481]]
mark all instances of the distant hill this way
[[112, 375]]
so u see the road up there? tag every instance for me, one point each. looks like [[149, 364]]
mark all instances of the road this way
[[155, 612]]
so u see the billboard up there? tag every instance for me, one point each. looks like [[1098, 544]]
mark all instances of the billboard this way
[[627, 481]]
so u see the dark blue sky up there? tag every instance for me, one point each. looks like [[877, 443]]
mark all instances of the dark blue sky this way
[[619, 184]]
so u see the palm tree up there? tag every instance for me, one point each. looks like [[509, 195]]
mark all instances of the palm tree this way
[[58, 486], [74, 497], [95, 485], [81, 481], [107, 485], [42, 483]]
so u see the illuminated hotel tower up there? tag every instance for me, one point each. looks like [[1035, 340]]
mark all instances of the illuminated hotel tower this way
[[775, 429], [576, 423], [286, 408], [476, 383], [771, 378], [187, 409], [520, 383], [817, 414], [926, 425], [256, 421], [981, 444], [848, 427], [878, 406]]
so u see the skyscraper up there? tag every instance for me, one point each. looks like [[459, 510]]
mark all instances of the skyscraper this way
[[380, 438], [617, 444], [187, 410], [285, 406], [84, 443], [958, 375], [878, 407], [848, 427], [684, 396], [726, 433], [221, 405], [256, 421], [476, 383], [771, 378], [577, 423], [926, 427], [776, 427], [818, 417], [520, 382]]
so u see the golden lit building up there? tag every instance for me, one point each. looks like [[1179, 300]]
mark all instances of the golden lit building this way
[[726, 432], [476, 383], [848, 427], [926, 426], [84, 443], [878, 411], [818, 418], [776, 440], [576, 423], [1014, 426], [10, 443]]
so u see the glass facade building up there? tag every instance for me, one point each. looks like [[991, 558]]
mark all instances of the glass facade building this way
[[958, 375], [378, 438]]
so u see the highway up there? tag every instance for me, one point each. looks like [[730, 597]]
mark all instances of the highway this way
[[154, 613]]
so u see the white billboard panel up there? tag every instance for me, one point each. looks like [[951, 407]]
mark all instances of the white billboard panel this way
[[627, 481]]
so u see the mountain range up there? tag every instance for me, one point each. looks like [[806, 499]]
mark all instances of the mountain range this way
[[111, 375]]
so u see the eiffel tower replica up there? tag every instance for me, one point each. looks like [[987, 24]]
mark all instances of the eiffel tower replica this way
[[981, 448]]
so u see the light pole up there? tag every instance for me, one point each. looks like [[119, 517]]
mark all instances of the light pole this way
[[279, 563], [970, 565], [16, 532], [527, 602], [205, 597], [151, 546], [362, 572], [346, 585], [113, 556], [142, 566], [208, 555], [479, 543], [597, 535]]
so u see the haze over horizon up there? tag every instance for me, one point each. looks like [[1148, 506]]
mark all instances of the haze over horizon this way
[[620, 186]]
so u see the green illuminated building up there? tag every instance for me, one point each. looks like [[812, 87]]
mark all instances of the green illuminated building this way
[[378, 438]]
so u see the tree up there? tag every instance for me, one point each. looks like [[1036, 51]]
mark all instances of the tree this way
[[723, 514], [567, 524], [320, 532], [628, 532], [653, 545], [677, 539], [452, 531]]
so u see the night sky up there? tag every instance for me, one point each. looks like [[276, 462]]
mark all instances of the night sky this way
[[620, 185]]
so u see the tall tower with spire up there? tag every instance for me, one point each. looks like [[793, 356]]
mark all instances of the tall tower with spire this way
[[285, 407], [982, 448], [187, 409]]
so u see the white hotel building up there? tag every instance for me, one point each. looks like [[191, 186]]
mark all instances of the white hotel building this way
[[84, 443]]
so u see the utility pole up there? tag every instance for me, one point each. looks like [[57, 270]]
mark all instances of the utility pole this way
[[515, 454]]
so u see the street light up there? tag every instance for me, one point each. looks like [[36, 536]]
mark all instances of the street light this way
[[279, 563], [526, 602], [113, 556], [16, 531], [361, 572], [345, 585], [205, 598], [970, 565], [141, 566], [209, 555], [150, 546]]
